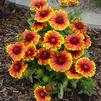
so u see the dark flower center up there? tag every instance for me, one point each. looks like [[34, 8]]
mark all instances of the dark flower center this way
[[61, 60], [74, 40], [85, 67], [45, 55], [44, 13], [17, 50], [29, 52], [79, 25], [53, 40], [37, 23], [39, 4], [74, 52], [72, 69], [17, 67], [29, 37], [43, 94], [59, 20]]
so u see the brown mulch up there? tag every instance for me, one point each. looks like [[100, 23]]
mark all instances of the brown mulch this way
[[12, 21]]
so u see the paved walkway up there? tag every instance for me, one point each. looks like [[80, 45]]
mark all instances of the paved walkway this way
[[89, 17]]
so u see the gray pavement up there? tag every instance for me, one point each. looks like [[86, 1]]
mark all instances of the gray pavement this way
[[89, 17]]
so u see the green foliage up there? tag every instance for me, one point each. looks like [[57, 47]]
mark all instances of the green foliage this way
[[98, 3], [74, 15], [87, 86], [73, 83], [61, 92], [86, 54], [31, 19]]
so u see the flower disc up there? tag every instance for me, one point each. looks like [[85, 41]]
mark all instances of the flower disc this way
[[38, 4], [61, 61], [59, 20], [53, 40], [30, 37], [74, 42], [85, 67], [79, 27], [41, 94], [17, 69], [44, 14], [16, 51]]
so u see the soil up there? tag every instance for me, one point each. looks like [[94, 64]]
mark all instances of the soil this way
[[13, 20]]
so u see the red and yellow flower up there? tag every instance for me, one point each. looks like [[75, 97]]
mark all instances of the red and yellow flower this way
[[76, 53], [63, 3], [85, 67], [53, 40], [16, 51], [79, 27], [41, 94], [43, 56], [17, 69], [87, 41], [30, 53], [38, 4], [37, 26], [61, 61], [72, 74], [44, 14], [73, 2], [30, 37], [74, 42], [59, 20]]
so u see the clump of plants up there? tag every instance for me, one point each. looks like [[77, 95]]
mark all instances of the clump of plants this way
[[53, 53], [98, 3]]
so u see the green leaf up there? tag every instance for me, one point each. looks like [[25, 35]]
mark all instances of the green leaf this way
[[68, 31], [31, 78], [61, 92], [87, 86], [39, 72], [45, 79], [65, 83], [74, 83], [30, 20], [86, 54]]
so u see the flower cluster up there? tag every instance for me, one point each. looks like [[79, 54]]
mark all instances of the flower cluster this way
[[48, 46], [65, 3]]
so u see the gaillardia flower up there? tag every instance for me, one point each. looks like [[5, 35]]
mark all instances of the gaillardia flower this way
[[74, 42], [38, 4], [61, 61], [73, 2], [59, 20], [53, 40], [72, 74], [41, 94], [16, 51], [76, 53], [30, 53], [17, 69], [85, 67], [79, 27], [44, 14], [43, 56], [63, 3], [37, 26], [30, 37], [87, 41]]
